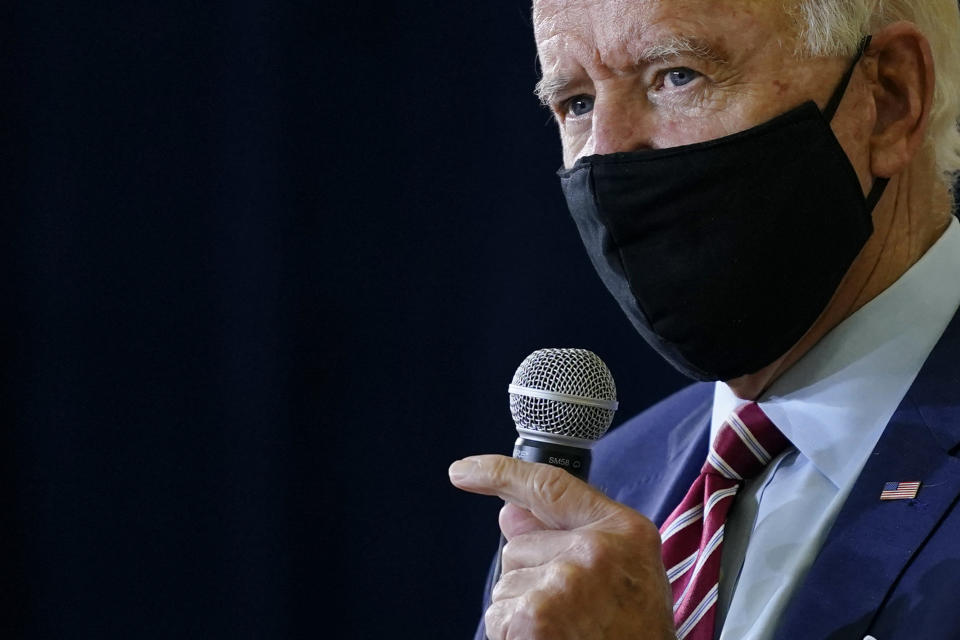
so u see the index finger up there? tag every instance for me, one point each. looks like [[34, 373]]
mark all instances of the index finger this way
[[555, 497]]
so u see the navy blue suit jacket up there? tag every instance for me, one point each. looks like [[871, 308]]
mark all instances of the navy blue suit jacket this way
[[888, 569]]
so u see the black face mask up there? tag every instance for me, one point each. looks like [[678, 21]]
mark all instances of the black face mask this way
[[725, 252]]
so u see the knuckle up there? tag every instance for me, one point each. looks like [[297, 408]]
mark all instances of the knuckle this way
[[508, 555], [643, 530], [509, 584], [565, 577], [496, 619], [500, 588], [535, 619], [497, 470], [550, 483], [592, 548]]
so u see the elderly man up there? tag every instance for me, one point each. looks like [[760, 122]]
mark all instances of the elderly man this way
[[764, 186]]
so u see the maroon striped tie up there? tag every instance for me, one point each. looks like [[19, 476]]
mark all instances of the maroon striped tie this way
[[693, 534]]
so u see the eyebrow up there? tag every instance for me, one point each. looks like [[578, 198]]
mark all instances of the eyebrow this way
[[549, 87], [678, 45]]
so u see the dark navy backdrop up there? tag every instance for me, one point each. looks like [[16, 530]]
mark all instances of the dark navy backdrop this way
[[267, 270]]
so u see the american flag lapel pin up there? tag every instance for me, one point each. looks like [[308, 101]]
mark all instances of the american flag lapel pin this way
[[900, 490]]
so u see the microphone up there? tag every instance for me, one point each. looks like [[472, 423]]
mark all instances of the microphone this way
[[562, 401]]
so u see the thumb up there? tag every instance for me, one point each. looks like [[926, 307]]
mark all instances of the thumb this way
[[553, 496]]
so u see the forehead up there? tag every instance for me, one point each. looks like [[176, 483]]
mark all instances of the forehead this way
[[615, 33]]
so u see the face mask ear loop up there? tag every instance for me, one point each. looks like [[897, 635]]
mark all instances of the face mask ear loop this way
[[831, 109], [879, 184]]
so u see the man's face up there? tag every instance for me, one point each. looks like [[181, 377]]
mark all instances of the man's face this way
[[622, 75]]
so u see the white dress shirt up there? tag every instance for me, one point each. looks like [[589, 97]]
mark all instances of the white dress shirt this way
[[833, 405]]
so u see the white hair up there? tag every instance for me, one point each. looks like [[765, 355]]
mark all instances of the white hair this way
[[836, 27]]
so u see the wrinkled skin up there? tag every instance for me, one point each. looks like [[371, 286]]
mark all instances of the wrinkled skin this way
[[569, 550], [622, 75]]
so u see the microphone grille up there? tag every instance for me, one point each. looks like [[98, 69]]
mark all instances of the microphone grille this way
[[586, 408]]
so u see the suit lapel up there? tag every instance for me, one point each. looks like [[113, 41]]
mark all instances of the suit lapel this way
[[687, 449], [873, 541], [661, 478]]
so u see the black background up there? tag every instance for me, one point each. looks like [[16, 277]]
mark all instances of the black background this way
[[267, 270]]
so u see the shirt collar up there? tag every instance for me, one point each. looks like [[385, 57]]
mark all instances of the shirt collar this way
[[834, 403]]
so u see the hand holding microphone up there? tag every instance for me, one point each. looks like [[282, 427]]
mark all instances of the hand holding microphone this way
[[576, 564]]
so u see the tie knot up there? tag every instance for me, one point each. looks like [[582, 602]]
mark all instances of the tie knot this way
[[744, 445]]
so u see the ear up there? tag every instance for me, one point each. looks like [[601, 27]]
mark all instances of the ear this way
[[903, 93]]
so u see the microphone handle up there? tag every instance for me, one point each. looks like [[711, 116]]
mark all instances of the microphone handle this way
[[574, 460]]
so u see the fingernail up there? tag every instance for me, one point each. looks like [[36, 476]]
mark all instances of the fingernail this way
[[461, 469]]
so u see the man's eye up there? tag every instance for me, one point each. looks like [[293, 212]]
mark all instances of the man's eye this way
[[579, 105], [681, 76]]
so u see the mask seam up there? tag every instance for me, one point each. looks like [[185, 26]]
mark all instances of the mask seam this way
[[626, 275]]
